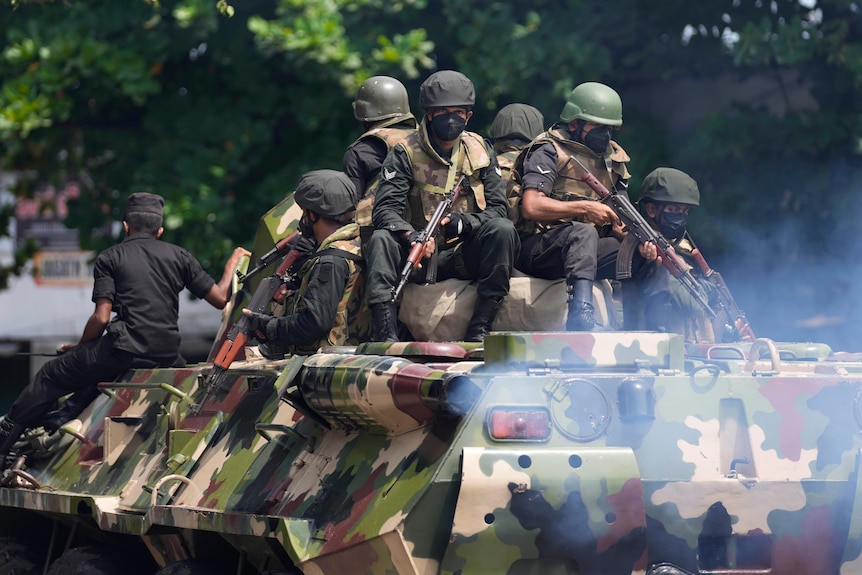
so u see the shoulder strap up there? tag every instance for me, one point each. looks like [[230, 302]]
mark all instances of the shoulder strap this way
[[340, 253]]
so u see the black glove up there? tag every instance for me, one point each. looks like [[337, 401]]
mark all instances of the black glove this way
[[258, 323], [413, 237], [458, 228]]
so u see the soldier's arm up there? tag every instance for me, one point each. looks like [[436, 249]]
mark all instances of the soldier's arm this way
[[325, 289], [540, 172], [390, 200], [362, 162]]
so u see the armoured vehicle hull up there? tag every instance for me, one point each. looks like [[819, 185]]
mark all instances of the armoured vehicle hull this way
[[610, 453], [532, 453]]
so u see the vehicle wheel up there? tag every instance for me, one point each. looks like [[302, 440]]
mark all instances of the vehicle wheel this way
[[195, 567], [92, 561], [17, 558]]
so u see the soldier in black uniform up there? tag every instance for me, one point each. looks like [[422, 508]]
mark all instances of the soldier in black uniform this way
[[329, 308], [570, 235], [383, 109], [480, 241], [139, 280]]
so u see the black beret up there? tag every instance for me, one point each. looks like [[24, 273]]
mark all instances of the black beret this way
[[326, 192], [144, 202]]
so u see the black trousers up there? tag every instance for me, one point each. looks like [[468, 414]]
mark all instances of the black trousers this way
[[487, 256], [80, 369], [570, 251]]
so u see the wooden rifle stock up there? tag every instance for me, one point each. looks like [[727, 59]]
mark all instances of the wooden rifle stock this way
[[240, 334], [725, 298], [281, 248], [415, 255]]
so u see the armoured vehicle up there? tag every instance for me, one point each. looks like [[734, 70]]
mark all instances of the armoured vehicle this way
[[531, 453]]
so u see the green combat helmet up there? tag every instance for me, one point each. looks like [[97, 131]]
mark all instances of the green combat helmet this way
[[593, 102], [517, 121], [447, 88], [326, 192], [380, 98], [670, 185]]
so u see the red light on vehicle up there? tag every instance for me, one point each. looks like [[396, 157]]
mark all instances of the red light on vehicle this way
[[506, 423]]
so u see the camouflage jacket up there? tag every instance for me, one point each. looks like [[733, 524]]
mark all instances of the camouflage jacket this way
[[337, 265], [415, 177]]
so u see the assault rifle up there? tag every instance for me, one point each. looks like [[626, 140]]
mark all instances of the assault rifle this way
[[740, 329], [415, 256], [240, 333], [281, 248], [636, 225]]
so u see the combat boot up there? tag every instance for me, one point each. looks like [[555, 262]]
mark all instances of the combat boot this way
[[483, 317], [384, 322], [10, 432], [580, 306]]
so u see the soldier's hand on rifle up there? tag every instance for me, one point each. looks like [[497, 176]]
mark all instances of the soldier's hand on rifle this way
[[597, 213], [649, 252], [430, 246], [456, 227], [64, 347], [258, 324]]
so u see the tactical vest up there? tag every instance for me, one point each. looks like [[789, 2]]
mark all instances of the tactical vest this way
[[507, 152], [568, 185], [390, 132], [352, 317], [434, 176]]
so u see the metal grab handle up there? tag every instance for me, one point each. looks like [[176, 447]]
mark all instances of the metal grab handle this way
[[756, 349], [173, 477]]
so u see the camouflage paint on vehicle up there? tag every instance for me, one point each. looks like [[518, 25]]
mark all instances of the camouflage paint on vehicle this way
[[589, 453]]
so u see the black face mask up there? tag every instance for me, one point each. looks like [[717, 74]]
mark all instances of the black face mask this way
[[598, 139], [448, 126], [306, 227], [672, 226]]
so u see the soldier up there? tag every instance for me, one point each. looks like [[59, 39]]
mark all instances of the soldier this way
[[565, 232], [480, 241], [666, 198], [382, 106], [512, 130], [140, 280], [329, 307]]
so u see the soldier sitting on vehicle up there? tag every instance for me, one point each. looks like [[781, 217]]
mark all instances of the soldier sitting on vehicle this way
[[565, 232], [512, 130], [480, 241], [139, 280], [383, 108], [656, 301], [329, 307]]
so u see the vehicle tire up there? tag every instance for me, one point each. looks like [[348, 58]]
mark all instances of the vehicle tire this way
[[91, 560], [17, 558], [195, 567]]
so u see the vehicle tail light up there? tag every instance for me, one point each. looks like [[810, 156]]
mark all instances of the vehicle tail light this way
[[519, 423]]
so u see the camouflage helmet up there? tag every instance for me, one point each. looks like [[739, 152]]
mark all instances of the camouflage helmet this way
[[671, 186], [447, 88], [593, 102], [380, 98], [517, 121], [329, 193]]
